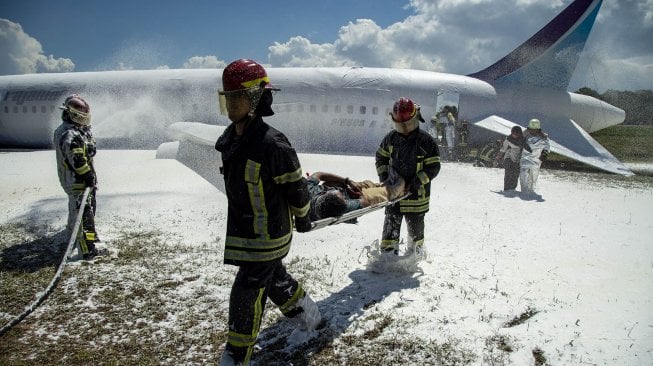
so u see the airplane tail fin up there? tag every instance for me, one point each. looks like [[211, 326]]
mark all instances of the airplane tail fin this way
[[549, 57]]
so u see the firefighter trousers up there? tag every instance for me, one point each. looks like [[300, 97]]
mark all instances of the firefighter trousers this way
[[392, 229], [254, 283], [87, 237]]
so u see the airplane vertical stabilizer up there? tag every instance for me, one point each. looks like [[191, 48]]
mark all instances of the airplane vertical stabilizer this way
[[548, 58]]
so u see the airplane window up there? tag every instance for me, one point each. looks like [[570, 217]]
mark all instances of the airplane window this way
[[337, 109], [362, 109], [24, 109], [44, 109], [300, 108], [51, 108], [350, 109], [325, 108], [313, 108], [375, 110], [15, 109], [34, 109], [372, 124], [6, 109]]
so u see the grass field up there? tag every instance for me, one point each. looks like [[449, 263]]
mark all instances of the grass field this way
[[630, 144]]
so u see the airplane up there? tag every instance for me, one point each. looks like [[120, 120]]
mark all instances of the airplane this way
[[331, 110]]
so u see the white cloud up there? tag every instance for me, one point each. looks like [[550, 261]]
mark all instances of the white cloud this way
[[300, 52], [465, 36], [22, 54], [204, 62]]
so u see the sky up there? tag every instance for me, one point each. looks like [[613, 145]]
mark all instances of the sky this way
[[575, 269], [454, 36]]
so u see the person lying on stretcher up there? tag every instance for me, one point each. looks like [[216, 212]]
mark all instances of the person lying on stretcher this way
[[332, 195]]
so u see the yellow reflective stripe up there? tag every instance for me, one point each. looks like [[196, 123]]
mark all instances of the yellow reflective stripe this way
[[389, 243], [77, 150], [423, 177], [300, 211], [81, 240], [420, 163], [240, 255], [417, 202], [418, 243], [432, 160], [83, 169], [383, 152], [252, 171], [416, 206], [289, 177], [256, 82], [258, 314], [381, 169], [257, 243], [294, 299], [256, 198], [241, 340]]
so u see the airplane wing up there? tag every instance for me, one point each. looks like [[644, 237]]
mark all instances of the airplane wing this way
[[195, 148], [199, 133], [567, 133]]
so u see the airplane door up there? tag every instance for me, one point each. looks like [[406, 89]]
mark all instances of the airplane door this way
[[445, 126]]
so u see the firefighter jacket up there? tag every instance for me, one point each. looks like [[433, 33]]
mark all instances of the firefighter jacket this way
[[265, 189], [75, 149], [534, 146], [416, 158]]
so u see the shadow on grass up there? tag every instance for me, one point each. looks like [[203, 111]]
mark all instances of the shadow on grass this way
[[30, 255], [339, 311]]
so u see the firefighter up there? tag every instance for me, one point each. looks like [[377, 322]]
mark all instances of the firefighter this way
[[265, 191], [412, 154], [510, 153], [75, 148], [536, 148]]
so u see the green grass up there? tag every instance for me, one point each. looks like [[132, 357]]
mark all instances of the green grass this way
[[630, 144]]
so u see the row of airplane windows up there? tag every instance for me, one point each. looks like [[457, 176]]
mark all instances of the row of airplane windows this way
[[283, 108], [34, 109], [349, 109]]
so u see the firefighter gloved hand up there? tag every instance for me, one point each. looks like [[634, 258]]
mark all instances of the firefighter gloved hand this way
[[89, 179], [303, 224], [383, 177], [415, 185], [544, 155]]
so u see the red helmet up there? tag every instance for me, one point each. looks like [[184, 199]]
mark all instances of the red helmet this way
[[242, 75], [78, 110], [404, 110]]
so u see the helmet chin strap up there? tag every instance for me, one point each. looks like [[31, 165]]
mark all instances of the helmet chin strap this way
[[242, 123]]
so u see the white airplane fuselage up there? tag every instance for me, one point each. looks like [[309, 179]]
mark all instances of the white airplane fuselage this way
[[337, 110]]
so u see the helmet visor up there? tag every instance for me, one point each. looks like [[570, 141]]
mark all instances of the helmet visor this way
[[225, 98], [79, 117]]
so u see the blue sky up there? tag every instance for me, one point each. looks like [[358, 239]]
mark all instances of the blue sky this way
[[457, 36]]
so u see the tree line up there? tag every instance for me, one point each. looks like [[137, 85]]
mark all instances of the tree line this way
[[638, 105]]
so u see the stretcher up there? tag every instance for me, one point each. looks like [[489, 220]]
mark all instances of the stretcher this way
[[322, 223]]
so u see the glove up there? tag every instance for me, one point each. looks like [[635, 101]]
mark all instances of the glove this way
[[544, 155], [415, 185], [383, 177], [303, 224], [89, 179]]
